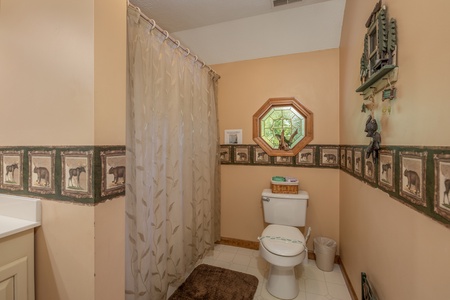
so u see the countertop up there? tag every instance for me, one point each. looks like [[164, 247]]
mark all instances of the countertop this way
[[10, 226], [18, 214]]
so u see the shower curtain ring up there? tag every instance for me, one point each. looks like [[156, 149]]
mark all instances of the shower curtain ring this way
[[166, 33], [153, 24], [196, 58], [188, 51], [203, 65], [178, 44]]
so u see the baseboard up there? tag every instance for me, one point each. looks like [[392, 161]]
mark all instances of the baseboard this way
[[238, 243], [350, 288], [255, 246]]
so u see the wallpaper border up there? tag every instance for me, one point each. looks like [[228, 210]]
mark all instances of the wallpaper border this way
[[412, 175], [417, 176], [39, 172]]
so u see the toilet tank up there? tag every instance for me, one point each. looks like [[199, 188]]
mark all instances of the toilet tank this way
[[285, 209]]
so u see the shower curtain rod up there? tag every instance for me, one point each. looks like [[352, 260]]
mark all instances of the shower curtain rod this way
[[176, 42]]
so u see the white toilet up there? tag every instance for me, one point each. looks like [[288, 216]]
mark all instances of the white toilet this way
[[281, 244]]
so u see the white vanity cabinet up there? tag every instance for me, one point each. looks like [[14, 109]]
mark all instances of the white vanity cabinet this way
[[17, 266], [18, 218]]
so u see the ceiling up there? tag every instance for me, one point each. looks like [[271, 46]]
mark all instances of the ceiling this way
[[258, 28], [179, 15]]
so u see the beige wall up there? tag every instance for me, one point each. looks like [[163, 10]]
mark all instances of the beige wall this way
[[244, 86], [47, 59], [65, 252], [110, 250], [109, 129], [404, 252], [62, 82], [310, 77], [109, 76]]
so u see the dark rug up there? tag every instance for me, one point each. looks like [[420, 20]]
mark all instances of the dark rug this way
[[213, 283]]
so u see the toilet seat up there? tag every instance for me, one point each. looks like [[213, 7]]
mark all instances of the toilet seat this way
[[283, 240]]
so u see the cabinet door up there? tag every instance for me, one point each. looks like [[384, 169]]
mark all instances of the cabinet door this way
[[13, 280], [7, 289]]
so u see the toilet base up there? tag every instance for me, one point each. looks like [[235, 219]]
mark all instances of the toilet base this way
[[282, 282]]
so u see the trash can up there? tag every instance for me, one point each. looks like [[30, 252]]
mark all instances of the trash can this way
[[325, 250]]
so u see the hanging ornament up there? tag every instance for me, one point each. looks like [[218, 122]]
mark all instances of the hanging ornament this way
[[374, 146]]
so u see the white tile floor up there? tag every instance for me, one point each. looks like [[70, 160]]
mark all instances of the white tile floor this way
[[314, 284]]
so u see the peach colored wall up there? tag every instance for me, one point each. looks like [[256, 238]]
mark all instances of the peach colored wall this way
[[404, 252], [109, 120], [242, 215], [310, 77], [244, 86], [110, 72], [65, 252], [63, 83], [47, 59], [110, 250]]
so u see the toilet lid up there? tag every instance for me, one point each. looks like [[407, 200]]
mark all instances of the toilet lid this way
[[283, 240]]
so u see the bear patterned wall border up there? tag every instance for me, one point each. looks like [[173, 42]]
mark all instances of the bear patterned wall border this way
[[417, 176], [312, 156], [84, 174]]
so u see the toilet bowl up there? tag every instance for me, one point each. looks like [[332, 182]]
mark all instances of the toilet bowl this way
[[281, 243], [283, 247]]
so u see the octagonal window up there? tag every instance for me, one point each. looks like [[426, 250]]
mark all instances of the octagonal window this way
[[282, 126]]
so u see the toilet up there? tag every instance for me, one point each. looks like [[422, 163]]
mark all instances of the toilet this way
[[281, 243]]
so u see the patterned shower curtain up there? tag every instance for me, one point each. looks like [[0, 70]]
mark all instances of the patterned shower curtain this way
[[173, 184]]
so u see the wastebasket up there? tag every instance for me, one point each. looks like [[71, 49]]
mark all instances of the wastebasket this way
[[325, 250]]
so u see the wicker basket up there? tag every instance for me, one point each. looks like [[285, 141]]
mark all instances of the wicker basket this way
[[284, 187]]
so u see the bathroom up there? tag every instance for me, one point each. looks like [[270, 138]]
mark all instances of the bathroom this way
[[403, 250]]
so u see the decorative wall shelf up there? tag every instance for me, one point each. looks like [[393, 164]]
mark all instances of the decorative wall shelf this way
[[379, 56], [375, 77]]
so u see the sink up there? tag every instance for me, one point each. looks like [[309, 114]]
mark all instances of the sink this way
[[18, 214]]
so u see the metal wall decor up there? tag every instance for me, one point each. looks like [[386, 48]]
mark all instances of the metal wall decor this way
[[372, 132], [378, 71], [380, 47]]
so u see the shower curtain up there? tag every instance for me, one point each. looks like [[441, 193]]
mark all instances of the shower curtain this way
[[172, 189]]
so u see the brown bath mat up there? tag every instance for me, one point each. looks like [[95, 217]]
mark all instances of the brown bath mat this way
[[213, 283]]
